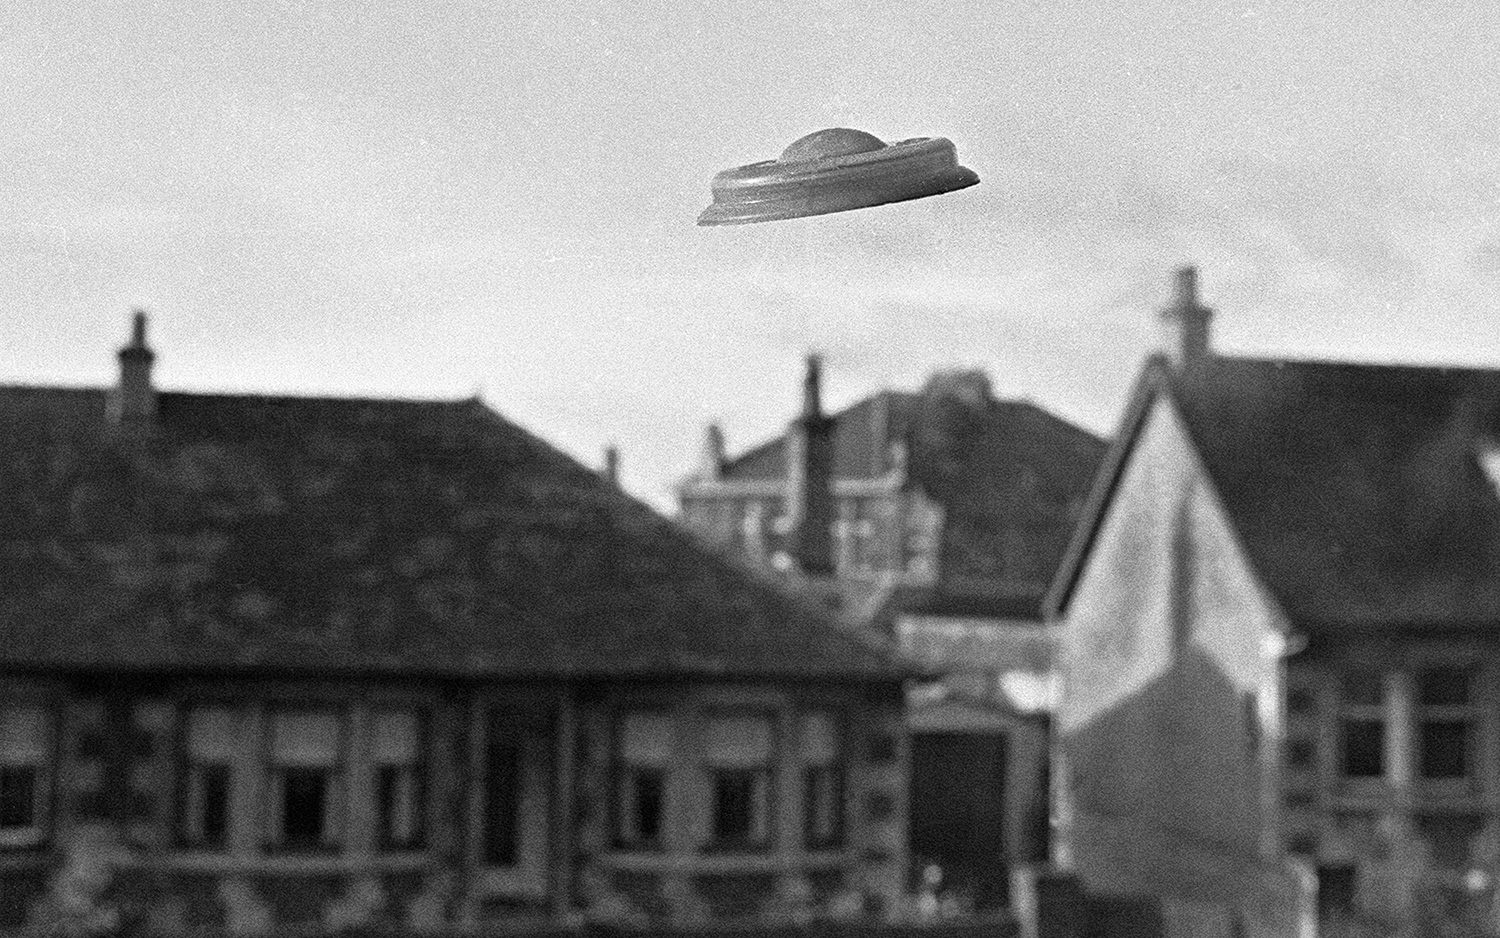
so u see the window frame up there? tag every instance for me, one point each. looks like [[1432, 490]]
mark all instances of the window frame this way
[[188, 768], [814, 774], [624, 772], [1466, 714], [1364, 713], [43, 775], [417, 769], [763, 793], [854, 532], [335, 796]]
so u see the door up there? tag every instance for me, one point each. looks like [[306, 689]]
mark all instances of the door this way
[[957, 802]]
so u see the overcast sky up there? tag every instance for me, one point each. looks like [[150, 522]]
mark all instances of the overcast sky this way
[[435, 198]]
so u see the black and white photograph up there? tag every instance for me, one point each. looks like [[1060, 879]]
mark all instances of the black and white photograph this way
[[756, 469]]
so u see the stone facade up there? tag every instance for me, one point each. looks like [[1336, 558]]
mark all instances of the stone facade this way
[[113, 833], [1392, 775]]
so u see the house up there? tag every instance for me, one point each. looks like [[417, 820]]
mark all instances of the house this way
[[936, 520], [291, 661], [1282, 621]]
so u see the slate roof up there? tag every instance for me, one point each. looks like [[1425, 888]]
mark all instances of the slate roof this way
[[862, 437], [372, 536], [1357, 490], [1012, 478]]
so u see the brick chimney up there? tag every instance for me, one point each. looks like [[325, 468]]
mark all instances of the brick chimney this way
[[1184, 323], [810, 508], [132, 401]]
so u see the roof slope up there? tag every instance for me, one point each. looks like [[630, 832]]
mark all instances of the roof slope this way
[[361, 535], [862, 438], [1357, 490]]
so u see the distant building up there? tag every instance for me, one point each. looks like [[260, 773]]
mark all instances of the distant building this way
[[273, 662], [937, 520]]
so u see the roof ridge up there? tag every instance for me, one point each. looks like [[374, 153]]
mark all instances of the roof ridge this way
[[314, 398], [8, 387], [1351, 364]]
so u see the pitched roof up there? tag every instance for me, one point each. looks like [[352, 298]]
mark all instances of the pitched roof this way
[[372, 536], [862, 438], [1357, 490], [1011, 477]]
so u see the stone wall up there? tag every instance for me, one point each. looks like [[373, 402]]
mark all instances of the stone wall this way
[[114, 854]]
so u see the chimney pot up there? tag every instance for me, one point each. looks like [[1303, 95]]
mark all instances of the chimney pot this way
[[1185, 322], [711, 460], [812, 387], [612, 464], [133, 400], [1186, 295]]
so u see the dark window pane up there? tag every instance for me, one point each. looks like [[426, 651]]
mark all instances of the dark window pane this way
[[1300, 753], [1300, 700], [1363, 688], [304, 807], [1335, 890], [502, 801], [213, 820], [1445, 748], [1443, 686], [17, 796], [1364, 748], [646, 804], [735, 806]]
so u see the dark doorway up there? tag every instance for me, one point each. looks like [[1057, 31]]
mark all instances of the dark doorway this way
[[958, 813], [1336, 884]]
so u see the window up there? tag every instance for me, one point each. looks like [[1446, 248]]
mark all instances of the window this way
[[644, 750], [25, 741], [1336, 890], [1300, 700], [306, 749], [735, 525], [1446, 722], [854, 533], [739, 755], [1362, 726], [822, 781], [208, 765], [396, 754], [1300, 753]]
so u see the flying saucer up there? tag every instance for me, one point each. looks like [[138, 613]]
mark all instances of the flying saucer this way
[[835, 170]]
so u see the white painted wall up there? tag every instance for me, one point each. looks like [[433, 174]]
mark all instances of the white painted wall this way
[[1169, 681]]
